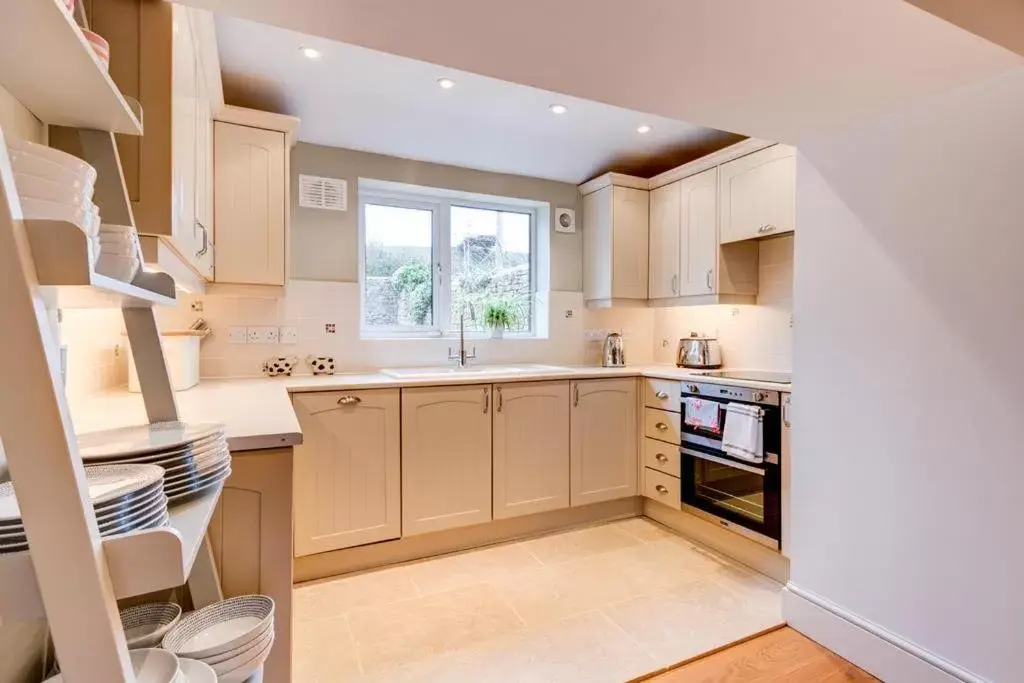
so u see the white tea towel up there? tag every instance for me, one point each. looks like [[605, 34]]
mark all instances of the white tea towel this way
[[744, 432], [702, 413]]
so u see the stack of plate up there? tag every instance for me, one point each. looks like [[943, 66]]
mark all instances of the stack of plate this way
[[124, 497], [233, 636], [195, 456]]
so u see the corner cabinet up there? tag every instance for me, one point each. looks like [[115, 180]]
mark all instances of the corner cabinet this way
[[446, 457], [347, 470], [531, 448], [615, 237], [757, 194], [604, 440]]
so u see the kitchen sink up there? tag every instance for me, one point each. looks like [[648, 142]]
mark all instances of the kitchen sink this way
[[447, 371]]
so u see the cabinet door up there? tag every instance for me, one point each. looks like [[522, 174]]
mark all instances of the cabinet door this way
[[249, 207], [698, 253], [347, 470], [597, 245], [204, 174], [758, 194], [446, 458], [531, 448], [630, 221], [663, 280], [183, 137], [603, 440]]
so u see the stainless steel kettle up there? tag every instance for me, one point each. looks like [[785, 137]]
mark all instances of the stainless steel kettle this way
[[614, 355], [699, 352]]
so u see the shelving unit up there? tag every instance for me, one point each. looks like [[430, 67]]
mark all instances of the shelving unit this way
[[70, 575]]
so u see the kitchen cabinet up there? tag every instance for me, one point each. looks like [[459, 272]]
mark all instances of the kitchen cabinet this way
[[347, 470], [603, 440], [662, 456], [531, 448], [664, 394], [663, 488], [251, 203], [251, 538], [663, 278], [446, 457], [757, 194], [615, 238], [662, 425]]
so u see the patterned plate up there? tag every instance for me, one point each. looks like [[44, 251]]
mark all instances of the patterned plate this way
[[220, 627], [169, 456], [185, 496], [145, 625], [135, 520], [197, 483], [144, 439]]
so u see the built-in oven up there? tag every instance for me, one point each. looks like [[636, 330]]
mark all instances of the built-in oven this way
[[738, 494]]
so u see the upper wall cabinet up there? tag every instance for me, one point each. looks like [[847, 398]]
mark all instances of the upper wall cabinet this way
[[615, 233], [757, 194]]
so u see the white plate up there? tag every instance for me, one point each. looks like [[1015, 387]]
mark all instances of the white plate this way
[[202, 461], [146, 519], [185, 477], [106, 483], [143, 439], [129, 507], [178, 452], [199, 485], [146, 625], [245, 667], [220, 627], [195, 671], [150, 665]]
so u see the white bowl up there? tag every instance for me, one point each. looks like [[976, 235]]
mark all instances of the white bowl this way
[[220, 627], [43, 209], [19, 149], [41, 188], [121, 268], [245, 669], [146, 625], [226, 661], [150, 665], [27, 164], [195, 671]]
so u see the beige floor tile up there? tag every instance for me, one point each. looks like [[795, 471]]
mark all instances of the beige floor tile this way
[[579, 543], [587, 648], [689, 621], [390, 636], [339, 596], [323, 652], [466, 569], [645, 529]]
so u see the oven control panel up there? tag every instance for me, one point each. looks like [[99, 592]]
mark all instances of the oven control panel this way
[[731, 392]]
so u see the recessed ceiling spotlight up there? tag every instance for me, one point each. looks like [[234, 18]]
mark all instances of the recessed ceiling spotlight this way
[[558, 109], [643, 129], [310, 52], [446, 83]]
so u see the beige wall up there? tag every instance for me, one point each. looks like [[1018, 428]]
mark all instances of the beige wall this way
[[324, 243]]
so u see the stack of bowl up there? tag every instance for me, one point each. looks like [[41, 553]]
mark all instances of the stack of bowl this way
[[152, 665], [234, 636], [55, 185]]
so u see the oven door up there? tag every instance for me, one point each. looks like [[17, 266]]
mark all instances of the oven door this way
[[701, 436], [743, 494]]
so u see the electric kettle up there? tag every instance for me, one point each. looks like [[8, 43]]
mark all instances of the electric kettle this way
[[614, 355]]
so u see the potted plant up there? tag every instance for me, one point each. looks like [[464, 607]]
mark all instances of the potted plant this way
[[499, 314]]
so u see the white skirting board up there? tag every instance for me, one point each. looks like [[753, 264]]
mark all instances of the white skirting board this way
[[869, 646]]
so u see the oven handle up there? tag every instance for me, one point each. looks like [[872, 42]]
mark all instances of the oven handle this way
[[722, 461]]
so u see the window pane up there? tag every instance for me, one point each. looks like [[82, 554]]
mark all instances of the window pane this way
[[490, 264], [398, 275]]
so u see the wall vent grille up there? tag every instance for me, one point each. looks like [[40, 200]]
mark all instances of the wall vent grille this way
[[316, 192]]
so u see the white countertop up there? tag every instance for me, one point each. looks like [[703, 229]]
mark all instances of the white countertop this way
[[258, 412]]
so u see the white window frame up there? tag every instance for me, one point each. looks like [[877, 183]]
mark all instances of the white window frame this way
[[440, 202]]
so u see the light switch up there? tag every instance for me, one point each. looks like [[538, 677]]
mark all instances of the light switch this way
[[236, 334], [289, 335]]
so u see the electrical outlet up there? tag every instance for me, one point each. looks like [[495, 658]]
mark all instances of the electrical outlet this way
[[197, 306], [288, 335], [262, 335], [569, 313], [252, 335], [237, 335]]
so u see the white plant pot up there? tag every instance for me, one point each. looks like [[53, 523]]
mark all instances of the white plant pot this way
[[497, 332]]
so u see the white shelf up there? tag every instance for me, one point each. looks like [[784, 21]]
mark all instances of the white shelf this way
[[61, 253], [47, 65], [138, 562]]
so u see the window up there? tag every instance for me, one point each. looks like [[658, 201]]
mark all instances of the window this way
[[429, 257]]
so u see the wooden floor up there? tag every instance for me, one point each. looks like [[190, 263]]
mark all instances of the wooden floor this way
[[780, 656]]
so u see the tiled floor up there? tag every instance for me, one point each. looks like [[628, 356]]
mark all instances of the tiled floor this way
[[603, 603]]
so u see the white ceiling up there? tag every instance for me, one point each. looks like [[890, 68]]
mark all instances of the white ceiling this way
[[776, 69], [372, 101]]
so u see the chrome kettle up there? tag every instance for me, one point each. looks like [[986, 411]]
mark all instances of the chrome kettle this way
[[699, 352], [614, 355]]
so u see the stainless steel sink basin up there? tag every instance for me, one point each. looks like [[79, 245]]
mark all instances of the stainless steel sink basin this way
[[449, 371]]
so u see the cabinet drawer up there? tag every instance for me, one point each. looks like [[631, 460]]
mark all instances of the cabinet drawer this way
[[662, 456], [662, 425], [662, 393], [663, 488]]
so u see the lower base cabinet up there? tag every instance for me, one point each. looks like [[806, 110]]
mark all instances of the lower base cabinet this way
[[604, 438], [531, 448], [446, 457], [347, 470]]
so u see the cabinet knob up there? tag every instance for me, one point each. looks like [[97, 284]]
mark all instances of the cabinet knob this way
[[661, 395], [661, 457], [661, 489], [349, 400], [661, 427]]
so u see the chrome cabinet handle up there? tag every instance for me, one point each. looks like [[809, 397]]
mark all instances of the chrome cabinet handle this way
[[501, 401], [349, 400], [487, 401], [707, 278], [785, 412], [675, 284], [660, 489], [661, 457], [575, 395], [766, 228], [661, 395], [206, 240], [661, 427]]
